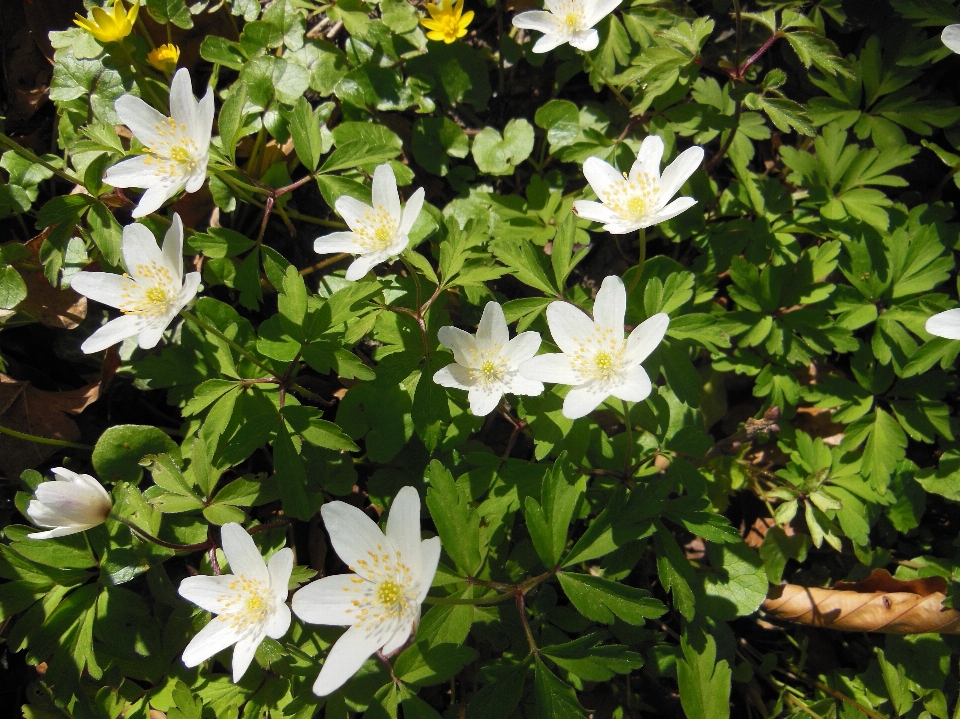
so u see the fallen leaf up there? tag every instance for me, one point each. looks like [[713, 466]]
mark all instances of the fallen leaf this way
[[879, 603]]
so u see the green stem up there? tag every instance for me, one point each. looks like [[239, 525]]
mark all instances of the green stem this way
[[736, 9], [628, 423], [156, 540], [25, 153], [619, 95], [44, 440], [489, 599], [214, 331], [642, 260], [234, 183]]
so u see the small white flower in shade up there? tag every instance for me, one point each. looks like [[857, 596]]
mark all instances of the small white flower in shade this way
[[376, 233], [71, 504], [642, 198], [566, 21], [250, 604], [150, 295], [595, 358], [945, 324], [381, 601], [177, 147], [951, 37], [486, 363]]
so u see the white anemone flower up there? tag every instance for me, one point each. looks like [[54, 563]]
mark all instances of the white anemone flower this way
[[951, 37], [177, 147], [945, 324], [150, 295], [250, 604], [642, 198], [486, 363], [566, 21], [73, 503], [376, 233], [595, 358], [381, 601]]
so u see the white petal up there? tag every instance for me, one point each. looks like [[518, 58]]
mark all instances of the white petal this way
[[242, 554], [403, 528], [411, 212], [594, 211], [353, 535], [600, 9], [205, 119], [351, 210], [114, 332], [492, 331], [385, 193], [536, 20], [645, 338], [945, 324], [429, 559], [548, 42], [243, 654], [279, 622], [140, 251], [95, 489], [585, 40], [141, 118], [603, 178], [337, 242], [648, 158], [172, 251], [153, 199], [150, 335], [209, 593], [521, 348], [213, 638], [183, 105], [581, 401], [45, 516], [280, 567], [484, 399], [634, 385], [58, 532], [189, 290], [462, 344], [328, 600], [363, 264], [951, 38], [195, 181], [550, 368], [611, 305], [679, 171], [133, 172], [518, 384], [401, 635], [345, 659], [569, 326], [681, 204], [455, 376], [102, 287]]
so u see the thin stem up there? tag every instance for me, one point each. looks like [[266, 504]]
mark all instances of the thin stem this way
[[324, 263], [730, 137], [489, 599], [736, 56], [24, 152], [758, 54], [641, 260], [416, 280], [214, 331], [628, 424], [619, 95], [44, 440], [522, 609], [169, 545]]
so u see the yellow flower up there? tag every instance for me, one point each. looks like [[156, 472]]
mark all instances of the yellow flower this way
[[112, 26], [164, 58], [447, 22]]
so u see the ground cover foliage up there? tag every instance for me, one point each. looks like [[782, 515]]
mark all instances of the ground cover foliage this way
[[801, 426]]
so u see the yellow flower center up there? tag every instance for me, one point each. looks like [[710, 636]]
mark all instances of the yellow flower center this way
[[388, 593], [383, 595], [603, 362], [377, 229], [572, 21], [247, 604], [174, 153], [164, 58], [486, 366], [600, 355], [488, 369], [151, 294], [634, 200]]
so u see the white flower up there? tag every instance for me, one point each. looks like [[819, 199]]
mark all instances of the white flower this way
[[71, 504], [569, 21], [486, 364], [640, 199], [177, 147], [596, 359], [381, 601], [951, 37], [150, 296], [945, 324], [250, 604], [376, 233]]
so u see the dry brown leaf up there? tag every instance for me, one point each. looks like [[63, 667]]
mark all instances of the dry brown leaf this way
[[879, 603], [28, 410], [49, 305]]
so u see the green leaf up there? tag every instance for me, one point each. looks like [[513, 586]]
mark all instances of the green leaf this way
[[549, 521], [499, 155], [704, 682], [305, 130], [583, 658], [170, 11], [739, 583], [355, 153], [423, 667], [457, 522], [555, 698], [561, 120], [601, 600], [435, 141], [13, 290], [117, 454], [291, 476]]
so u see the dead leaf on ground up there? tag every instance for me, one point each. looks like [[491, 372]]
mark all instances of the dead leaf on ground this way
[[26, 409], [61, 308], [879, 603]]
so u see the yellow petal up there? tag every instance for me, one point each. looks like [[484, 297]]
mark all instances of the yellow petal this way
[[434, 35], [132, 15], [435, 12], [431, 25], [461, 32], [466, 19], [103, 19], [458, 8]]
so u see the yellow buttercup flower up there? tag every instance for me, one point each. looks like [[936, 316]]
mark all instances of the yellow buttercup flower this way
[[164, 58], [447, 22], [112, 26]]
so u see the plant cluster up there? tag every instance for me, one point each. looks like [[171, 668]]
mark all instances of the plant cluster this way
[[289, 240]]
